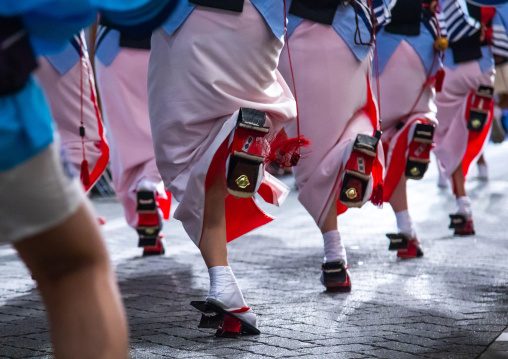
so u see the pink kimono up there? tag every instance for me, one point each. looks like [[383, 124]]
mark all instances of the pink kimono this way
[[199, 77], [67, 80]]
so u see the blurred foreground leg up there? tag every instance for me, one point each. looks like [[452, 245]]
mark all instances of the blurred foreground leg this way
[[78, 287]]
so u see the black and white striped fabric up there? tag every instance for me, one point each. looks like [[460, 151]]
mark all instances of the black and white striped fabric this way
[[499, 32], [381, 11], [457, 22]]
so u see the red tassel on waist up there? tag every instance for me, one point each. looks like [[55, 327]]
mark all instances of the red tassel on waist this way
[[376, 198], [85, 173]]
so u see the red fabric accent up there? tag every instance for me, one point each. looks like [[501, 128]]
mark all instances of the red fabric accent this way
[[265, 191], [165, 205], [370, 108], [103, 160], [341, 208], [488, 14], [242, 214], [475, 140], [397, 165], [241, 310], [439, 80], [377, 172], [85, 173]]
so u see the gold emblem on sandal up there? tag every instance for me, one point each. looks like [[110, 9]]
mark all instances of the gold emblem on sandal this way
[[415, 171], [476, 123], [351, 193], [242, 181]]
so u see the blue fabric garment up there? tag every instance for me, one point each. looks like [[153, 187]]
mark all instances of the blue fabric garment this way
[[40, 17], [25, 126], [65, 59], [272, 11], [344, 23], [25, 122], [107, 45], [500, 32], [423, 45]]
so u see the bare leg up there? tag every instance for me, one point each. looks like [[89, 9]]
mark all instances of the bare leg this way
[[459, 187], [78, 287], [213, 243], [330, 222], [481, 160], [399, 196]]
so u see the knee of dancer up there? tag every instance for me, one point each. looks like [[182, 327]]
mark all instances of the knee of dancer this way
[[52, 262], [73, 266]]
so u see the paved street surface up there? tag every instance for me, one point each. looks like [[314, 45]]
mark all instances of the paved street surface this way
[[451, 304]]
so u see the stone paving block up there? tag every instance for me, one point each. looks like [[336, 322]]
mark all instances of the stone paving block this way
[[448, 304], [280, 342], [239, 352], [270, 350], [446, 355], [294, 334], [493, 355], [391, 354], [14, 352], [349, 340], [414, 339], [335, 349], [348, 355], [243, 356]]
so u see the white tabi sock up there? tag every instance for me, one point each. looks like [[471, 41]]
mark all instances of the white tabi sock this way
[[405, 223], [483, 171], [464, 207], [334, 249], [146, 185], [224, 288]]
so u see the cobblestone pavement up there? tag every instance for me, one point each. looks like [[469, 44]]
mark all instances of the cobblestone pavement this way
[[450, 304]]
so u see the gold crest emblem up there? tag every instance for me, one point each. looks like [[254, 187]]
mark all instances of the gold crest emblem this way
[[242, 181], [351, 193]]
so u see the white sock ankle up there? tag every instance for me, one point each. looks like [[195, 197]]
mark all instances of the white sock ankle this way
[[224, 287], [334, 249], [405, 223], [483, 171], [464, 207], [146, 185]]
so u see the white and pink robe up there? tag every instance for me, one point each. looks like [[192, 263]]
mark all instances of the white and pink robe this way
[[122, 81], [335, 103], [200, 75], [68, 82]]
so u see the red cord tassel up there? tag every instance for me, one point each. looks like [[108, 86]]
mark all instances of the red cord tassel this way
[[377, 195], [286, 152], [440, 75], [85, 173]]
